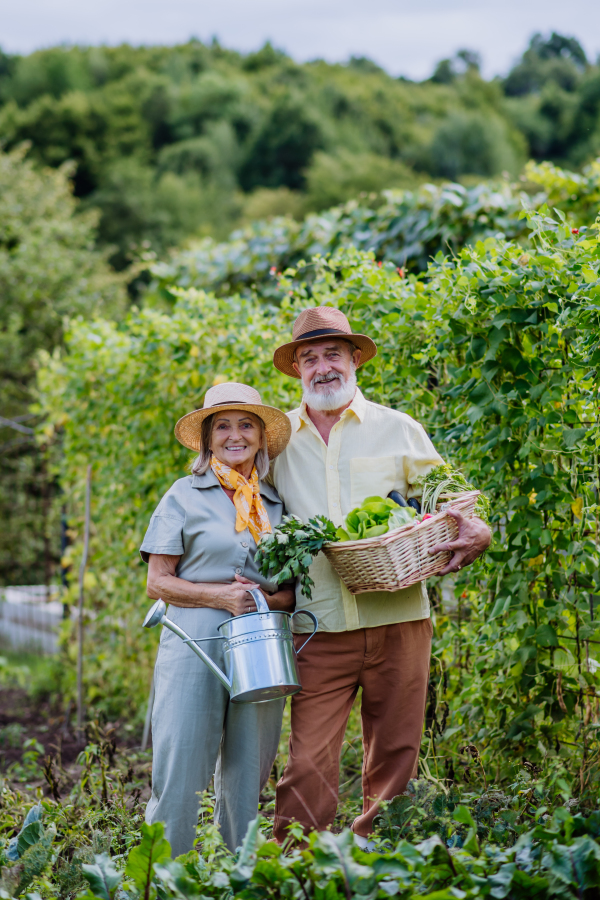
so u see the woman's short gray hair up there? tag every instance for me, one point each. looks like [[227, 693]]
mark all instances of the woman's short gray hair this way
[[202, 462]]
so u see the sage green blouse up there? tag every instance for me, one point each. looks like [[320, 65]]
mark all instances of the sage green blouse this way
[[196, 520]]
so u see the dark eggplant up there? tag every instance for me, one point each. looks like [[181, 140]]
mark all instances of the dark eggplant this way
[[399, 499]]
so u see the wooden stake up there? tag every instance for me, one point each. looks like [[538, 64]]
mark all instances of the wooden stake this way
[[86, 544]]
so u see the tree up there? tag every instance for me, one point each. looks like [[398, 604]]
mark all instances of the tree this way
[[283, 147], [474, 143], [49, 269]]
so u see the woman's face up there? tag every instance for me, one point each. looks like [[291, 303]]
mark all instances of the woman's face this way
[[235, 439]]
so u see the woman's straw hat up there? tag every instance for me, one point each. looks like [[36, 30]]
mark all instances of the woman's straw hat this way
[[317, 324], [233, 395]]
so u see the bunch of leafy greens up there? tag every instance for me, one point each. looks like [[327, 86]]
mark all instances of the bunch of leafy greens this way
[[288, 551], [444, 480], [370, 519]]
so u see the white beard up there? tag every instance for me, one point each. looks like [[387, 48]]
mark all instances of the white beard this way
[[332, 397]]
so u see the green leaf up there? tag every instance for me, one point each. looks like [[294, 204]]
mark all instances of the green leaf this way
[[572, 436], [481, 394], [153, 848], [241, 874], [500, 607], [546, 636], [376, 531], [102, 876], [585, 856], [463, 815], [31, 833]]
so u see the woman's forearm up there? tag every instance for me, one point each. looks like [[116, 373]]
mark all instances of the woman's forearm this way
[[179, 592], [163, 583]]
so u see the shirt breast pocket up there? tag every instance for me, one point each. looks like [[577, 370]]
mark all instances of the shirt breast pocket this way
[[370, 477]]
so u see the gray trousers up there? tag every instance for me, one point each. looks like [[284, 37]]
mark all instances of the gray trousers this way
[[198, 732]]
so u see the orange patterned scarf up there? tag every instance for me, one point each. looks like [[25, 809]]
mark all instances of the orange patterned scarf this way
[[250, 509]]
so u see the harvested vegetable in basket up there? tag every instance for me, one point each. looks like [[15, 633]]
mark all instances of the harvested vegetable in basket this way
[[446, 480], [402, 515], [368, 520], [289, 550]]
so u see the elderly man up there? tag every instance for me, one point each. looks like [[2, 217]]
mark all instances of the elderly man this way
[[345, 448]]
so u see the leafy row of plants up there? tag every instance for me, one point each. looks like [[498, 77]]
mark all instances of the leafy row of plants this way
[[408, 228], [435, 843]]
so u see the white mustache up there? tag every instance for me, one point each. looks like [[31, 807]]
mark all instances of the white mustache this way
[[325, 379]]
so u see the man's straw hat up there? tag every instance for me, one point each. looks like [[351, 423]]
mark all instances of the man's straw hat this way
[[318, 324], [233, 395]]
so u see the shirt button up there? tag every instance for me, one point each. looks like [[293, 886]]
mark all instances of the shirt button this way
[[244, 543], [332, 467], [334, 504], [238, 571]]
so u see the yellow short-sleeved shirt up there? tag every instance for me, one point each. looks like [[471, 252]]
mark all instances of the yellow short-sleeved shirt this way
[[372, 450]]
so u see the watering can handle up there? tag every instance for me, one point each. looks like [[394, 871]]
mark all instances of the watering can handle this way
[[315, 623], [261, 604]]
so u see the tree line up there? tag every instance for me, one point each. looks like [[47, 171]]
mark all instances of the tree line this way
[[169, 142]]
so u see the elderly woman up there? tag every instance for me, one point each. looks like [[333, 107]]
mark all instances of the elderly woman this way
[[200, 548]]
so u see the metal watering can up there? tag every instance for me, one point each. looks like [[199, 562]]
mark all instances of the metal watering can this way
[[260, 658]]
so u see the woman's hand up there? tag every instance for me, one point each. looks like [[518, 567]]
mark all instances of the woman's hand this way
[[235, 597], [284, 600]]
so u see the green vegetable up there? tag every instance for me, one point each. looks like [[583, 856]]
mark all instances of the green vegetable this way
[[371, 519], [403, 515], [446, 480], [288, 552]]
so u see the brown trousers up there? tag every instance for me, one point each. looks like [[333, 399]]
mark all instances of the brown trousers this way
[[391, 664]]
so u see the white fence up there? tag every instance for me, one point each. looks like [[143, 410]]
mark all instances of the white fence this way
[[29, 619]]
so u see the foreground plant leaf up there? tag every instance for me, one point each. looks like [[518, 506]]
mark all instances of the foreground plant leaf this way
[[102, 876], [154, 848]]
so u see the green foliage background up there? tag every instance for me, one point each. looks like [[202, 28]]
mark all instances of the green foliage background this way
[[49, 269]]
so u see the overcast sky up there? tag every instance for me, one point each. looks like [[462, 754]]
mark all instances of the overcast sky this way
[[403, 36]]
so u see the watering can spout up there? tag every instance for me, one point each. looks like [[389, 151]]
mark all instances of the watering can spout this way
[[156, 615]]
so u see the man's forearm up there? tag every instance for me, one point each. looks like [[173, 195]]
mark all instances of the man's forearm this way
[[485, 534], [284, 600]]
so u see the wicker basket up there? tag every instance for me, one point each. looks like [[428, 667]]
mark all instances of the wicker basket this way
[[399, 558]]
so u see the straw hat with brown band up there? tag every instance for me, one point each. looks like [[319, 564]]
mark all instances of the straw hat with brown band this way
[[318, 324], [233, 395]]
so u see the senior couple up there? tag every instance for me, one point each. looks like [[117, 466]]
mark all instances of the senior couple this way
[[255, 463]]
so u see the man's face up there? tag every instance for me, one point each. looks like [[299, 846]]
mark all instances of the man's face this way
[[325, 366]]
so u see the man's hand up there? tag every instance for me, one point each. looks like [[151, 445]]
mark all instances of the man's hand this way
[[474, 537]]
